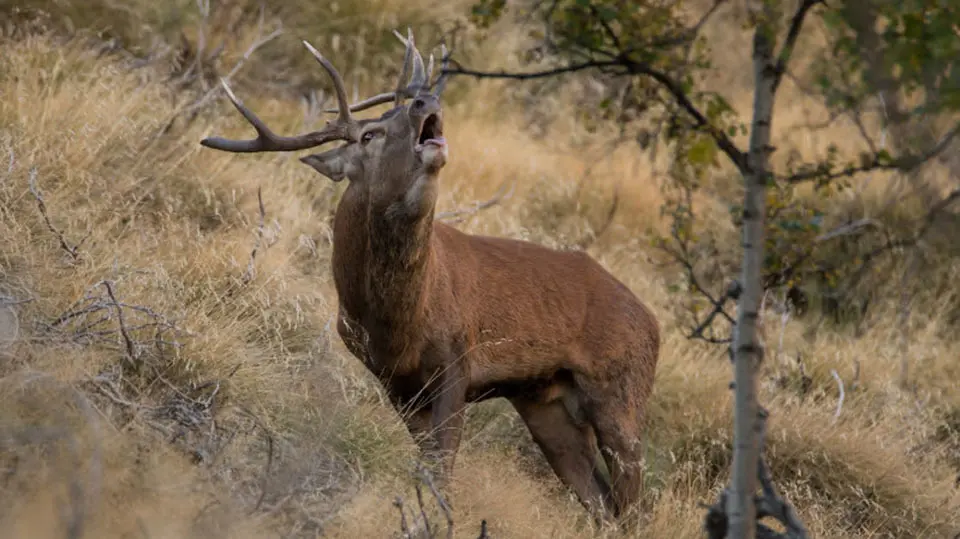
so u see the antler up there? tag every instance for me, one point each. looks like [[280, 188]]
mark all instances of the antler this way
[[419, 79], [343, 128]]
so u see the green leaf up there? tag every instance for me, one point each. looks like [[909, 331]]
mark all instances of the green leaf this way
[[703, 152]]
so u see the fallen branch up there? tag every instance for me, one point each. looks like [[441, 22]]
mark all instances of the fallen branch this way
[[504, 192]]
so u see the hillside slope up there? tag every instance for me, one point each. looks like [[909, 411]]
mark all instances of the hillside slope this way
[[159, 380]]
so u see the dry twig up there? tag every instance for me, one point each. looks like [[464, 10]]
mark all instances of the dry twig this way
[[100, 317], [251, 270], [132, 355], [193, 109], [504, 192], [421, 527], [72, 250]]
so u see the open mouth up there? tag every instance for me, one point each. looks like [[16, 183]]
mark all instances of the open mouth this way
[[432, 131]]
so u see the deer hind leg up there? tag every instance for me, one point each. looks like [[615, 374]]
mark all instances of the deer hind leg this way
[[617, 420], [570, 447]]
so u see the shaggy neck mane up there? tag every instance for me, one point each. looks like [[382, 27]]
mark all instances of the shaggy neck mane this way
[[381, 267]]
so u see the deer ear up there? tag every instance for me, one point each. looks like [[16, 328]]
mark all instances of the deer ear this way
[[332, 163]]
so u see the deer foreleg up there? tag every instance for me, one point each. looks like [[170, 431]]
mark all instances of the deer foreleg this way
[[448, 418]]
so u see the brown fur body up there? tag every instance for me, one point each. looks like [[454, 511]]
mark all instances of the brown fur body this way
[[444, 318], [433, 311]]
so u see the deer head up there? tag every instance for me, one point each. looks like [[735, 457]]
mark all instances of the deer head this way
[[390, 153]]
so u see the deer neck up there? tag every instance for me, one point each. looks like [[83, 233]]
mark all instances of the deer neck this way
[[382, 259]]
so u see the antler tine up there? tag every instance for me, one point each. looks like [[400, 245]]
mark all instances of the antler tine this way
[[338, 85], [442, 80], [370, 102], [429, 74], [267, 140], [418, 79], [405, 70], [344, 128]]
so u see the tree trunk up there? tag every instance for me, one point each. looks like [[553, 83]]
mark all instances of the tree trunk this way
[[747, 351]]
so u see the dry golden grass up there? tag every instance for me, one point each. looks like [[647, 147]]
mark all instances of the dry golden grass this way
[[298, 438]]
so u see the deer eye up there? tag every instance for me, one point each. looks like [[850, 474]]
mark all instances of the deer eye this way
[[368, 136]]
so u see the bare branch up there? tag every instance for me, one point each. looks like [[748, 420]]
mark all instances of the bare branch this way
[[89, 316], [772, 504], [572, 68], [251, 270], [132, 354], [628, 66], [441, 501], [718, 309], [404, 527], [796, 24], [194, 108], [72, 250], [460, 215], [891, 245], [423, 510], [606, 27], [878, 161]]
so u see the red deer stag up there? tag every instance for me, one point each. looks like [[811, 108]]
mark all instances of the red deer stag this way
[[445, 318]]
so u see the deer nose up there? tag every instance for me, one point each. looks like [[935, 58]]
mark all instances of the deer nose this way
[[418, 103]]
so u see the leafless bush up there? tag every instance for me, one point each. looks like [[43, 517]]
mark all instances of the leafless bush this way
[[101, 318], [415, 524]]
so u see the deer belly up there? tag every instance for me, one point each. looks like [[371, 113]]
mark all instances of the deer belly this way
[[547, 388]]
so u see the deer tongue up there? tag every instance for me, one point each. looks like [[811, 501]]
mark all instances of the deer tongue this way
[[438, 142]]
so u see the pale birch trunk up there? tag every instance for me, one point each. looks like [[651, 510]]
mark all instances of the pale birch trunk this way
[[747, 350]]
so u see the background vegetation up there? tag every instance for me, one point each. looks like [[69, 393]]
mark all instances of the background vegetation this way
[[168, 365]]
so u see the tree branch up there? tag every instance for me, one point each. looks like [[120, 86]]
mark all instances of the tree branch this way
[[796, 24], [629, 66], [878, 161], [571, 68], [736, 155]]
